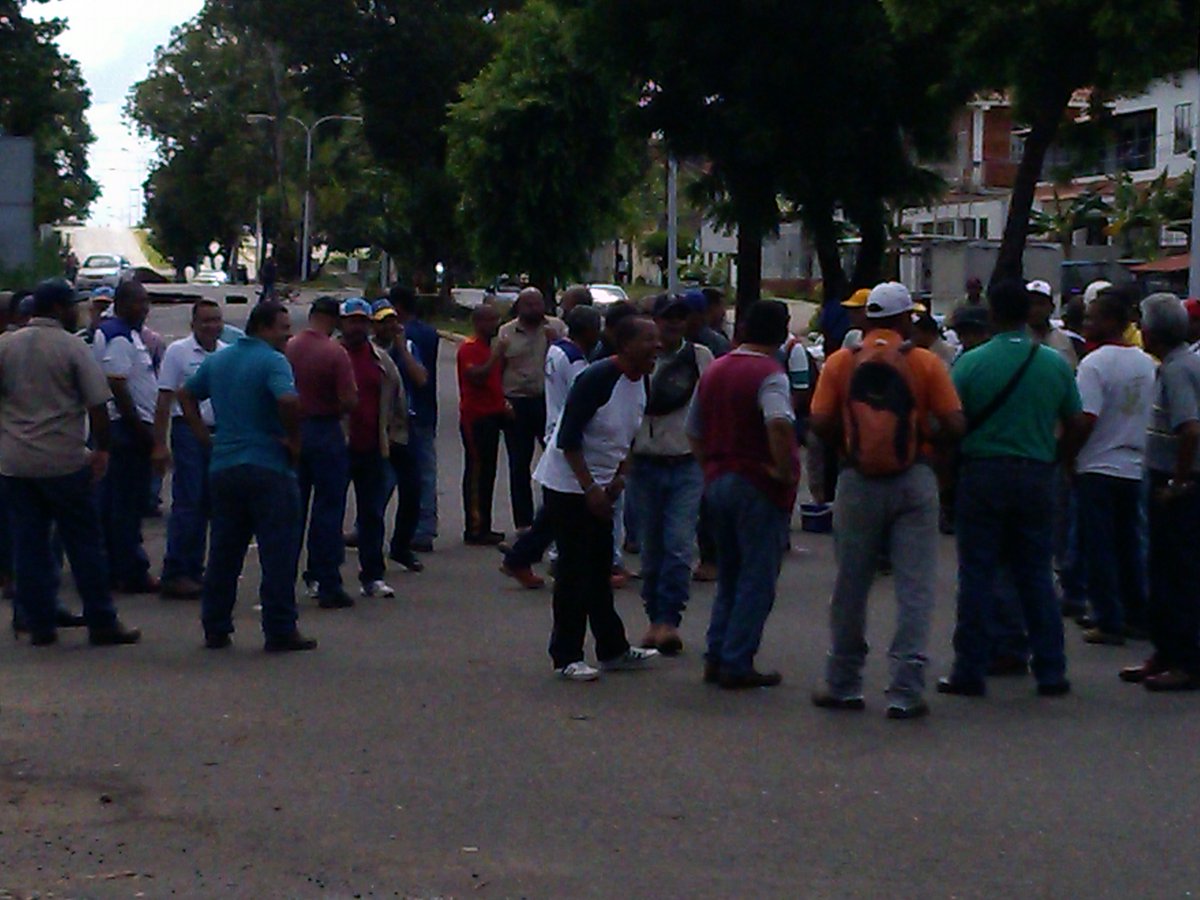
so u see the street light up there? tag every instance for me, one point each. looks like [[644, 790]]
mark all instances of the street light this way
[[308, 146]]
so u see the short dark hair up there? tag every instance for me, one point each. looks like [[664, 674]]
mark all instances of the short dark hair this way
[[618, 312], [584, 320], [713, 296], [264, 315], [325, 306], [928, 324], [126, 291], [1009, 301], [14, 302], [768, 323], [580, 294], [201, 304], [403, 297], [1113, 304], [47, 296], [628, 329]]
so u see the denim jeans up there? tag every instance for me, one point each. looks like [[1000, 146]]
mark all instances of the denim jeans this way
[[1007, 626], [187, 527], [1073, 563], [745, 525], [123, 494], [368, 474], [422, 450], [253, 502], [896, 516], [404, 479], [1006, 513], [665, 499], [1174, 608], [324, 475], [1110, 519], [522, 433], [67, 502]]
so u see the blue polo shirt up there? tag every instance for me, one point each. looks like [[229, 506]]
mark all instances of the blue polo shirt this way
[[422, 401], [244, 382]]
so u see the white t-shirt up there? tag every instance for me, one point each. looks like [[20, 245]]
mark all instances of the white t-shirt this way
[[127, 358], [564, 362], [1116, 385], [179, 363]]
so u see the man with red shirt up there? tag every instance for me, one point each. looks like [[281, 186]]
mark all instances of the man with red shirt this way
[[482, 412], [325, 383]]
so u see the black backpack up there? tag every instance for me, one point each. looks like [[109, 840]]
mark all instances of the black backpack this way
[[672, 386]]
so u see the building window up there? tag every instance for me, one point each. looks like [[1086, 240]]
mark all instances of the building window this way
[[967, 228], [1137, 137], [945, 227], [1184, 129], [983, 229]]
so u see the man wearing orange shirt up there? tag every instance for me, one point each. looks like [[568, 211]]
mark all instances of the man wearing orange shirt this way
[[482, 412], [883, 404]]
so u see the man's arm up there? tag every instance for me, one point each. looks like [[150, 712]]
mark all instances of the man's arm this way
[[479, 374], [781, 443], [289, 415], [347, 388], [160, 456], [101, 439], [413, 368], [1074, 436], [191, 414], [129, 414]]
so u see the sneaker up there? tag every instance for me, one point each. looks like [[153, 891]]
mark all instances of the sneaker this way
[[918, 710], [633, 658], [312, 589], [825, 699], [578, 671], [407, 560], [378, 589]]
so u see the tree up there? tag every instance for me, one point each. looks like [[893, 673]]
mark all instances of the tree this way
[[1043, 51], [656, 245], [540, 149], [1059, 221], [43, 95]]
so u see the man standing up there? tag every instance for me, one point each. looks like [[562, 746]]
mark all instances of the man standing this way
[[699, 330], [125, 491], [1017, 396], [187, 528], [525, 341], [422, 408], [1041, 308], [882, 405], [482, 413], [1173, 463], [666, 481], [379, 417], [50, 390], [742, 432], [1116, 384], [583, 474], [253, 477], [325, 384]]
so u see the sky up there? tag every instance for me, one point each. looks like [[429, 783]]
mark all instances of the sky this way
[[114, 42]]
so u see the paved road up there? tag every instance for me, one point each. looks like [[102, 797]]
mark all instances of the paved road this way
[[425, 750]]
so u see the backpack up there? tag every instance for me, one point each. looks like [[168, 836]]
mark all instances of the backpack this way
[[672, 386], [880, 419]]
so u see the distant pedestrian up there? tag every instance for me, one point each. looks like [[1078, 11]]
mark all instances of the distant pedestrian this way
[[482, 413], [1041, 308], [268, 277]]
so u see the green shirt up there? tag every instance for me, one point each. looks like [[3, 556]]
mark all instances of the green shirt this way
[[1027, 425]]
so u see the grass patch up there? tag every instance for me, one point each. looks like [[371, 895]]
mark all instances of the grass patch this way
[[156, 259]]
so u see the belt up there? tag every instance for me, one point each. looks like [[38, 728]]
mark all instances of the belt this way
[[653, 459]]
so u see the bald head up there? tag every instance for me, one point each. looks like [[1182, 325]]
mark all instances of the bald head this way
[[531, 306]]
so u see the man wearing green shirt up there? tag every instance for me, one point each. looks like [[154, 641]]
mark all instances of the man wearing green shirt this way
[[1018, 398]]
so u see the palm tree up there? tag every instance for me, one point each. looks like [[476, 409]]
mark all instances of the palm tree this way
[[1060, 221]]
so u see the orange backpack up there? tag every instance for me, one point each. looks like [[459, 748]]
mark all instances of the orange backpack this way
[[880, 418]]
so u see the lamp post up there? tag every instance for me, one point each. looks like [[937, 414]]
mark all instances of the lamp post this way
[[306, 225]]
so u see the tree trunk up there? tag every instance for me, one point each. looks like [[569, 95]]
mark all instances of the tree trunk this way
[[834, 320], [868, 268], [1010, 262], [749, 258]]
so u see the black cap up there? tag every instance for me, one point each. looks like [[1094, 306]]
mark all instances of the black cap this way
[[326, 306], [969, 317], [669, 303], [54, 292]]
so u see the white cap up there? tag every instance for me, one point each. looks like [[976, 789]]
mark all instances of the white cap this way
[[888, 299], [1093, 290], [1040, 287]]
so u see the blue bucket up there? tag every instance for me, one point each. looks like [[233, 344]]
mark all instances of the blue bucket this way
[[816, 518]]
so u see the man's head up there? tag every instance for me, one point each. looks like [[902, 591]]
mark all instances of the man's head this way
[[1073, 311], [55, 299], [207, 323], [101, 303], [270, 322], [384, 323], [768, 324], [637, 344], [573, 297], [1092, 291], [1041, 304], [19, 308], [925, 331], [613, 317], [583, 326], [356, 321], [1106, 318], [131, 303], [971, 325], [1164, 323], [716, 313], [856, 307], [890, 306], [531, 306], [404, 301], [697, 319], [486, 321], [1009, 304], [324, 314], [671, 314]]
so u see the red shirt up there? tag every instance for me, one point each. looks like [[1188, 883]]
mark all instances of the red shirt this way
[[364, 421], [474, 400], [322, 371]]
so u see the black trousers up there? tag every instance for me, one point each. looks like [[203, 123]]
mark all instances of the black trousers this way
[[1174, 608], [408, 499], [582, 589], [481, 448], [522, 434]]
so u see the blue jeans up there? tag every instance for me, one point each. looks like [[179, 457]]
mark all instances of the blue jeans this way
[[1110, 519], [368, 474], [1006, 513], [123, 494], [745, 525], [67, 502], [324, 475], [422, 450], [665, 500], [1073, 563], [403, 478], [187, 528], [253, 502]]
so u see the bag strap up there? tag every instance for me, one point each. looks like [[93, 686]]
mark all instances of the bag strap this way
[[977, 421]]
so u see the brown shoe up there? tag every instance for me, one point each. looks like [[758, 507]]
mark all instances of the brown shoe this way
[[669, 641], [705, 572], [525, 577], [1172, 680], [1138, 674], [181, 589]]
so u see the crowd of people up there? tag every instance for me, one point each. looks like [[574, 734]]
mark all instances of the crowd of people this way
[[1062, 460]]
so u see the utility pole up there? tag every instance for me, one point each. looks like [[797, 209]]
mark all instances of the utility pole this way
[[1194, 269], [672, 225]]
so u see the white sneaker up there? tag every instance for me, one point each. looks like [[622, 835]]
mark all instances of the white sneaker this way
[[578, 671], [633, 658], [313, 589], [378, 589]]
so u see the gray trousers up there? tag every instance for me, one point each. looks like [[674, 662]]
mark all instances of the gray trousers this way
[[898, 515]]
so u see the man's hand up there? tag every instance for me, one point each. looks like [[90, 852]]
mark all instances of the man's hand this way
[[615, 488], [599, 503], [98, 462], [160, 459]]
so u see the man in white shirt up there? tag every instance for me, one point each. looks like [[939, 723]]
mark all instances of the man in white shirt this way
[[187, 528], [1116, 384], [129, 366]]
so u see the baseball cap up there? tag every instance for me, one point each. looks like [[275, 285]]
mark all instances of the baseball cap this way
[[356, 306], [968, 317], [104, 292], [324, 306], [669, 303], [858, 299], [888, 299], [1040, 287], [695, 300], [382, 309], [48, 293], [1093, 290]]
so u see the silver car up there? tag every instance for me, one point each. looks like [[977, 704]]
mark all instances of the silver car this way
[[103, 270]]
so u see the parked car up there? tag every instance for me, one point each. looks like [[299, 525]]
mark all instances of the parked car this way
[[213, 277], [103, 270], [607, 294]]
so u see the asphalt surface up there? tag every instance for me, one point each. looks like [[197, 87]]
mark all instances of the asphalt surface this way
[[425, 750]]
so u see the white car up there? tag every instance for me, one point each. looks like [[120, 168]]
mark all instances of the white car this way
[[103, 270], [214, 277], [607, 294]]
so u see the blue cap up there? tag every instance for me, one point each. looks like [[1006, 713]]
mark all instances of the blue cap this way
[[356, 306], [695, 300], [104, 292], [381, 304]]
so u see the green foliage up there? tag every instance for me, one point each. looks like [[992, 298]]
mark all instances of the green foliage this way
[[1060, 221], [656, 246], [43, 96]]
